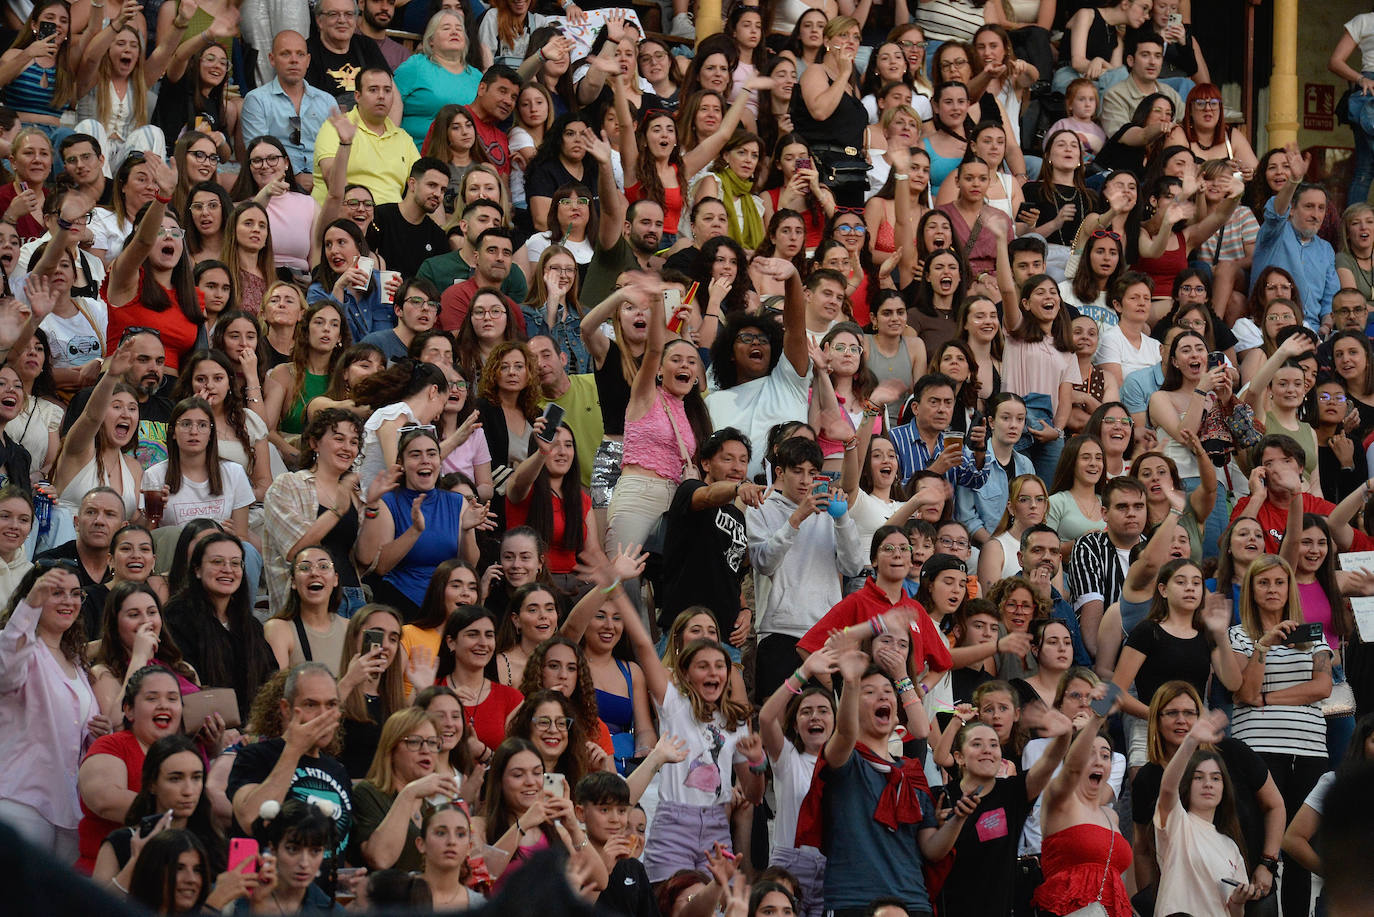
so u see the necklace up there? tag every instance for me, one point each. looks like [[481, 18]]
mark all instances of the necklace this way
[[1366, 276], [277, 902], [1072, 198]]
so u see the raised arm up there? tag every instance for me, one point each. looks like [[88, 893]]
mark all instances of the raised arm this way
[[656, 678], [708, 148], [772, 722], [123, 279], [613, 205], [644, 389], [1208, 730], [598, 345], [1080, 752], [629, 148], [1297, 171], [852, 664]]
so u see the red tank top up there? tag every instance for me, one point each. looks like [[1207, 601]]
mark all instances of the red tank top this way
[[178, 333]]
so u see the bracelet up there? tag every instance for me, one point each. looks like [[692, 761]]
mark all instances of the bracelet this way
[[851, 444], [760, 768], [160, 199], [114, 880], [787, 683], [349, 143], [1270, 863], [905, 685], [1198, 391], [900, 176], [518, 829], [370, 513], [1175, 512], [612, 587], [879, 625], [1264, 698], [181, 25]]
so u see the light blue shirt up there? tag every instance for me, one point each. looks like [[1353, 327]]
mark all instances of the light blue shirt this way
[[913, 456], [364, 310], [982, 507], [268, 110], [1312, 264], [1139, 386]]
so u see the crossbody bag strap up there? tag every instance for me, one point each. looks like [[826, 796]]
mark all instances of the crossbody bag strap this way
[[303, 639], [677, 434]]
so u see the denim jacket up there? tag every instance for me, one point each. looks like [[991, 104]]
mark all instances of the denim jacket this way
[[982, 507]]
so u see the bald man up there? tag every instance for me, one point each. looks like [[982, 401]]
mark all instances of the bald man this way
[[288, 107]]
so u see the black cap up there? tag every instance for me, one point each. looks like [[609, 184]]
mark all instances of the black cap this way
[[939, 563]]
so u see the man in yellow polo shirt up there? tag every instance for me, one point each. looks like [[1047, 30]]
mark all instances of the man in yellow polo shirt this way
[[382, 153]]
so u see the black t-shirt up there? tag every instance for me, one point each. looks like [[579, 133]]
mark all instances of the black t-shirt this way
[[361, 738], [404, 245], [628, 892], [1248, 773], [15, 463], [985, 851], [546, 177], [1049, 198], [1167, 658], [1119, 156], [703, 558], [320, 777], [335, 73]]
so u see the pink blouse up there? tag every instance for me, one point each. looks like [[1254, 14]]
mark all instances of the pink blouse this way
[[651, 443], [291, 217]]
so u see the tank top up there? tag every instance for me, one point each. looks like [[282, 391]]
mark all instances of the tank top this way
[[844, 128], [896, 367], [315, 385], [1101, 42], [612, 391], [941, 167], [652, 443], [339, 543], [617, 711], [319, 646], [32, 91], [178, 332], [1166, 267]]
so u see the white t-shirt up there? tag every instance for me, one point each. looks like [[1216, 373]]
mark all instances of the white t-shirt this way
[[1193, 859], [869, 514], [581, 251], [1114, 348], [373, 461], [194, 500], [1361, 28], [77, 340], [754, 407], [231, 450], [1316, 799], [703, 778], [792, 773]]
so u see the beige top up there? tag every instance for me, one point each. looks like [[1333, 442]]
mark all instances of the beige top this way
[[325, 646], [1193, 859]]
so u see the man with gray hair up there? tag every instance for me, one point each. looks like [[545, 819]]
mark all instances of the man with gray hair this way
[[338, 53], [297, 765], [100, 514], [1288, 239]]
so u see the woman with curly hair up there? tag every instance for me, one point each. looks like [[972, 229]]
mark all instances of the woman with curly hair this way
[[549, 720], [559, 664], [509, 400]]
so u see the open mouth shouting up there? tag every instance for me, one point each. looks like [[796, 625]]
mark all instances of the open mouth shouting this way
[[164, 721], [883, 715]]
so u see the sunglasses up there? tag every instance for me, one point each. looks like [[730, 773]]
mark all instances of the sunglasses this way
[[139, 329], [1105, 234]]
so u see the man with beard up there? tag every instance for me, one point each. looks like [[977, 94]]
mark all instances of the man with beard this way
[[576, 395], [376, 19], [288, 107], [496, 96], [154, 409], [457, 265], [100, 515], [626, 239], [403, 233], [1288, 239], [1098, 564], [1042, 566], [495, 249]]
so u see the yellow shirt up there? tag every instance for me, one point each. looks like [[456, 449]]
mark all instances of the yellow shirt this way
[[412, 637], [381, 162]]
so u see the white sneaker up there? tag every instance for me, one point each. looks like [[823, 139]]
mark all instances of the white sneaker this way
[[683, 26]]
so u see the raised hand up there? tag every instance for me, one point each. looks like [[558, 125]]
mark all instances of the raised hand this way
[[776, 268], [46, 586], [42, 297], [1216, 614], [421, 667], [164, 173], [345, 128], [475, 516], [1298, 163], [417, 513], [389, 479], [599, 147]]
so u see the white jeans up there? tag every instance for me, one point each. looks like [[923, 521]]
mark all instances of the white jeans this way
[[37, 830]]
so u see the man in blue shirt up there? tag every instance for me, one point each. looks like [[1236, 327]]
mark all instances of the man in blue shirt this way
[[288, 107], [920, 442], [1288, 239]]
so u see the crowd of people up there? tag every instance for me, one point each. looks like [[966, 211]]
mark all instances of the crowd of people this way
[[879, 460]]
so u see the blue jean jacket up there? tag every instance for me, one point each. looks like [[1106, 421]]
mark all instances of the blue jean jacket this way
[[364, 310], [982, 508]]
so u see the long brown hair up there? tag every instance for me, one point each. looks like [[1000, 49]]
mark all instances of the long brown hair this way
[[65, 92], [734, 711], [113, 654], [229, 254], [212, 470], [300, 349], [390, 687]]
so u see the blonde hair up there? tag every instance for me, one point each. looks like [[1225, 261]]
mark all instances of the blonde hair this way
[[400, 724], [1349, 214], [1249, 613], [427, 42]]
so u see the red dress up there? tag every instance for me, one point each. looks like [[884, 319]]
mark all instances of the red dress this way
[[1166, 267], [178, 333], [1074, 862], [93, 829]]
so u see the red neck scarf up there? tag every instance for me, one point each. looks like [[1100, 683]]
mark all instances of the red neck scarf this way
[[898, 804]]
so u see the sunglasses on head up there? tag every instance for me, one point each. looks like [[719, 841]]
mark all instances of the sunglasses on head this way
[[1105, 234]]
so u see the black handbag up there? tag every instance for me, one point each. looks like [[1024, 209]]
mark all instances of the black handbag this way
[[841, 167]]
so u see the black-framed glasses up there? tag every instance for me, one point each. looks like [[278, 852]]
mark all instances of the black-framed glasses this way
[[202, 156], [358, 202], [428, 743], [139, 329], [459, 386], [259, 162], [421, 301], [751, 337]]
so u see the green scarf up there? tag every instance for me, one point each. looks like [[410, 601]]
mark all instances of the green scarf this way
[[741, 210]]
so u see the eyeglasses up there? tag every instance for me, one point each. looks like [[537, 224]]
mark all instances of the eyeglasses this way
[[488, 313], [854, 230], [550, 723], [203, 206], [1031, 501], [579, 201], [1018, 606], [847, 348], [1178, 714], [1205, 104], [202, 156], [1118, 422], [906, 44], [418, 301], [1192, 288], [295, 136], [416, 427], [79, 158], [1105, 234], [139, 329], [305, 566], [77, 595], [951, 64], [751, 337], [259, 162], [194, 425], [895, 549], [562, 269], [459, 386], [221, 563], [428, 743], [87, 217], [1351, 310], [174, 233], [958, 543], [357, 202], [1337, 397]]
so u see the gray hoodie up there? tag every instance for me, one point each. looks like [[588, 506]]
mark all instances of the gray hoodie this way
[[799, 570]]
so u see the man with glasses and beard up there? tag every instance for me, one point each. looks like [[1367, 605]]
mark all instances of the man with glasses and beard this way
[[154, 407]]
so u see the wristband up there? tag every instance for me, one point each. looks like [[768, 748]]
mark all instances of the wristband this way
[[518, 829], [905, 685], [1175, 512], [1264, 698], [1198, 391], [900, 176], [370, 513], [349, 143], [759, 768], [160, 199], [612, 587], [1270, 863], [787, 683]]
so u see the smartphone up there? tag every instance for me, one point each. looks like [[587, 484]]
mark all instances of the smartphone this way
[[373, 637], [46, 30], [556, 784], [1104, 706], [553, 416], [241, 849], [1175, 19], [826, 478], [1305, 633], [804, 162], [147, 823], [1026, 211], [672, 302], [1216, 358]]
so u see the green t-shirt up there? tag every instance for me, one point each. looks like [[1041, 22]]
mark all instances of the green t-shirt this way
[[582, 407], [607, 264], [449, 268]]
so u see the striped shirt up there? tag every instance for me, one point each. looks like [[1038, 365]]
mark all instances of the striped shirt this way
[[913, 455], [1096, 570], [1229, 242], [1281, 729]]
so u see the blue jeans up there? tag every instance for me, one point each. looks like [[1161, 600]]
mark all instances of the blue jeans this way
[[1216, 521], [1044, 456], [1362, 126], [353, 599], [1179, 84]]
